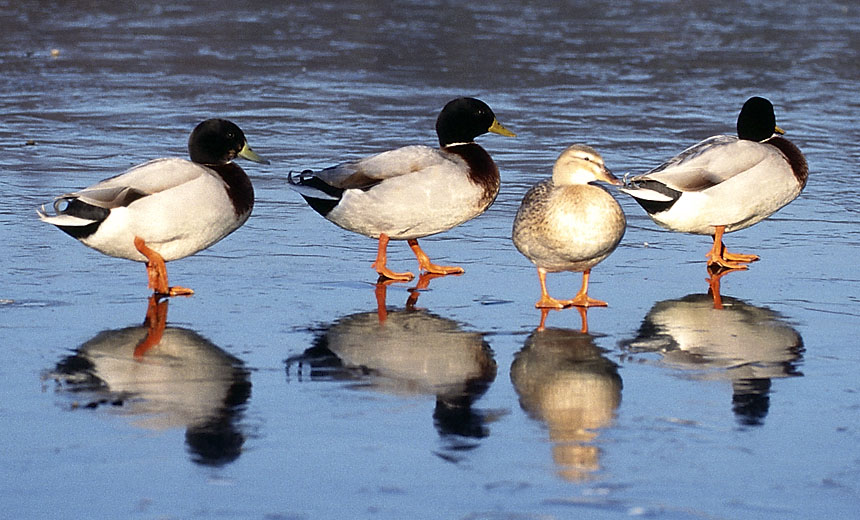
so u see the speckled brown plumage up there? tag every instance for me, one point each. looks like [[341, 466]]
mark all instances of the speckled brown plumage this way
[[568, 228]]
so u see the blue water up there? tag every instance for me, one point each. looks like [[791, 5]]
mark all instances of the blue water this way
[[274, 394]]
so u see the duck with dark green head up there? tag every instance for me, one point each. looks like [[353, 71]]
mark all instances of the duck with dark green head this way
[[725, 183], [414, 191], [165, 209]]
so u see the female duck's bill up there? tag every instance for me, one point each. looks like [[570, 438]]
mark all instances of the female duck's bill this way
[[415, 191], [725, 183], [165, 209], [567, 224]]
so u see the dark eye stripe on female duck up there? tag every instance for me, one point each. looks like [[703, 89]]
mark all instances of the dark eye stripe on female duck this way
[[165, 209], [725, 183], [414, 191]]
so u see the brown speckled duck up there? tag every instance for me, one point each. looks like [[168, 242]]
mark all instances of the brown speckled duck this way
[[567, 224]]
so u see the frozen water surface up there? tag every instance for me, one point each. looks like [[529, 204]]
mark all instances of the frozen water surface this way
[[277, 392]]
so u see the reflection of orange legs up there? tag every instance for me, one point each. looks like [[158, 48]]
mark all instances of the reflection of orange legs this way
[[155, 321], [381, 291], [381, 259], [157, 272], [714, 289], [718, 256], [543, 312], [583, 314], [581, 299], [381, 310], [414, 292], [714, 276], [425, 265]]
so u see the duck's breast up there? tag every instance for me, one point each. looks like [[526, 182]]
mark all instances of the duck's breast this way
[[569, 228]]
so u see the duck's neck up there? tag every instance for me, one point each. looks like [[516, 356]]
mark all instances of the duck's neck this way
[[482, 172], [459, 143], [239, 187], [794, 156]]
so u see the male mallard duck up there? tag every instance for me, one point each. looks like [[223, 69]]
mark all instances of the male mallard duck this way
[[567, 224], [165, 209], [414, 191], [725, 183]]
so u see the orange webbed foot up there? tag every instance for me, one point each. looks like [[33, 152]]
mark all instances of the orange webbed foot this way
[[719, 262], [425, 265], [738, 257], [583, 300], [178, 291], [432, 268], [387, 275], [719, 258], [548, 302], [156, 271]]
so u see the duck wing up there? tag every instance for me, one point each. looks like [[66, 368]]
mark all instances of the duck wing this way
[[329, 184], [93, 204], [368, 172], [706, 164], [154, 176]]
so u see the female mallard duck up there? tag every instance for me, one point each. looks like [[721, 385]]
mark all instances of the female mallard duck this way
[[567, 224], [414, 191], [165, 209], [725, 183]]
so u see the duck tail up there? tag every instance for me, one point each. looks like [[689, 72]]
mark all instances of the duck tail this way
[[73, 216], [308, 184], [321, 196], [653, 196]]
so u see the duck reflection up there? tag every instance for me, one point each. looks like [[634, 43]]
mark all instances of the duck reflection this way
[[163, 377], [715, 275], [408, 352], [734, 340], [563, 379]]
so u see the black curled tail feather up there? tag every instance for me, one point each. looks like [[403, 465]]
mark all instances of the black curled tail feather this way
[[75, 207], [323, 206], [655, 206]]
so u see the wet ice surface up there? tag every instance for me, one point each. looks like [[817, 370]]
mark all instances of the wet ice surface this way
[[666, 408]]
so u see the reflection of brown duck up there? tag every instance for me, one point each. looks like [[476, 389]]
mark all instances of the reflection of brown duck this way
[[563, 379], [408, 352], [163, 377], [740, 342]]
